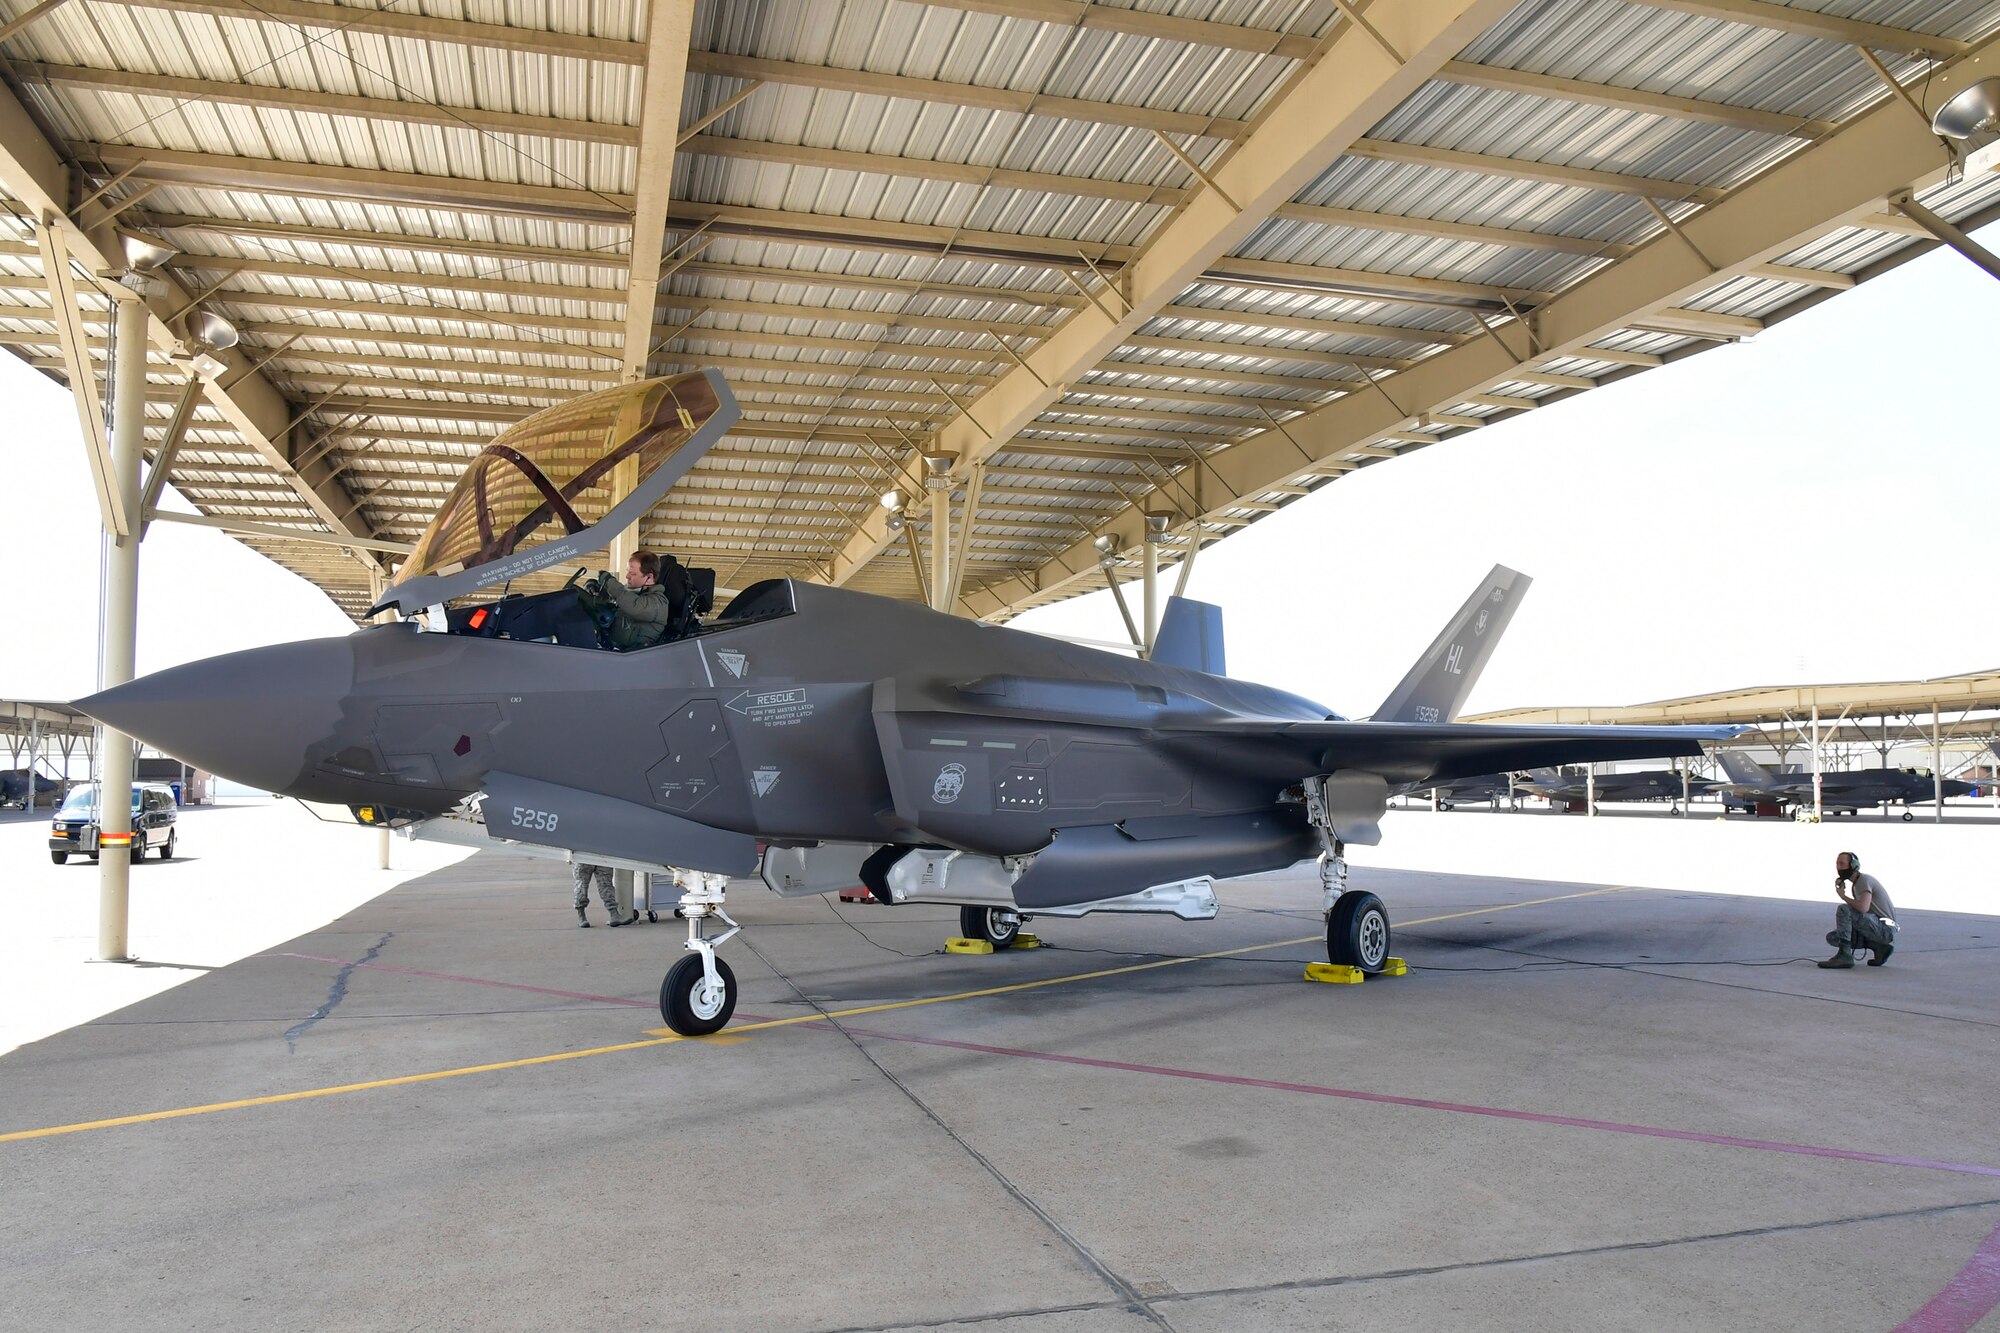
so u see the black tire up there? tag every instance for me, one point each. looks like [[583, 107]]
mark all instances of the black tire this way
[[167, 851], [998, 926], [1909, 815], [60, 858], [681, 1006], [93, 858], [1357, 932], [875, 872]]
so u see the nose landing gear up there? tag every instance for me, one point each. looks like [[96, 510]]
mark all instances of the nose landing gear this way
[[699, 993]]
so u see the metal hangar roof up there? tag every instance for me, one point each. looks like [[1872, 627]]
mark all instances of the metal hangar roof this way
[[1190, 257]]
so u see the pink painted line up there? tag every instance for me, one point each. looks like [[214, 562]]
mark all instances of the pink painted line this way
[[1461, 1108], [1966, 1299], [470, 981]]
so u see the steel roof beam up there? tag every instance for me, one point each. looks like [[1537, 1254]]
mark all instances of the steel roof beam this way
[[877, 234], [1878, 154], [1631, 99], [1140, 23], [957, 173], [416, 27], [1547, 173], [280, 98], [669, 28], [312, 180], [513, 255], [1256, 319], [944, 291], [1807, 23], [939, 92]]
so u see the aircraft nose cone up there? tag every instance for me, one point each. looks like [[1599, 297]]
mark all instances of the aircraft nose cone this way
[[249, 717]]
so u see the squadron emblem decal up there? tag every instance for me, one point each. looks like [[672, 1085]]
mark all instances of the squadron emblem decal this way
[[950, 782]]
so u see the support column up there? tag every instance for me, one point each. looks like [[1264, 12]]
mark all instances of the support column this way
[[34, 750], [1590, 791], [1818, 813], [1937, 765], [1156, 528], [939, 481], [121, 623]]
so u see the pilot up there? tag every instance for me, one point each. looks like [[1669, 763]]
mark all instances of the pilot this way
[[1865, 918], [644, 605]]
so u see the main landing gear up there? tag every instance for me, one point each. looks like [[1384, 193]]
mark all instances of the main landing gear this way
[[699, 993], [998, 926]]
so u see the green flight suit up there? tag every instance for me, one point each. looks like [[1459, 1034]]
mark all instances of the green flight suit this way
[[642, 617]]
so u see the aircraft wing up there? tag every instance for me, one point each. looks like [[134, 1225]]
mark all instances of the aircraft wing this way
[[1428, 752]]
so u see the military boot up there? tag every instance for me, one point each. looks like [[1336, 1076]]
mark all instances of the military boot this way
[[1882, 952], [1842, 957], [582, 919]]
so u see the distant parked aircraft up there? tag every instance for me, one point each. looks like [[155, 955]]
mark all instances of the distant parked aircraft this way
[[1654, 784], [1750, 784]]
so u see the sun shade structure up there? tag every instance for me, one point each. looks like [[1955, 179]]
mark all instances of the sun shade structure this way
[[1196, 259]]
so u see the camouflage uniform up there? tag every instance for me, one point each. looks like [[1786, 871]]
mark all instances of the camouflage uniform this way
[[1864, 930], [580, 875]]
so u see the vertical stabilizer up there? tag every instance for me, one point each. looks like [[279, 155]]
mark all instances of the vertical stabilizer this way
[[1743, 770], [1191, 636], [1436, 687]]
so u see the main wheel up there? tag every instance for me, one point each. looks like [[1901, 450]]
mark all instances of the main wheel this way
[[1357, 932], [1908, 815], [690, 1006], [998, 926], [60, 858]]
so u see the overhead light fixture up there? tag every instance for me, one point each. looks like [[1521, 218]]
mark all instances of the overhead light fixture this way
[[212, 331], [1972, 121], [1156, 523], [896, 520], [892, 499], [144, 254], [1976, 110], [940, 465], [1106, 545]]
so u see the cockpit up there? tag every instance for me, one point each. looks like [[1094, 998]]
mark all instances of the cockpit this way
[[562, 617]]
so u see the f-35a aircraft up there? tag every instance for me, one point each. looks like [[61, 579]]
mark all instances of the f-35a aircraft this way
[[818, 736], [15, 788], [1751, 784], [1653, 784]]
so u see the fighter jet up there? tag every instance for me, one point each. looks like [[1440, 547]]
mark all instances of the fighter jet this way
[[1654, 784], [1751, 784], [818, 736], [14, 787], [1492, 788]]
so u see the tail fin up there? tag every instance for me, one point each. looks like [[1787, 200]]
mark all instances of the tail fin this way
[[1436, 687], [1190, 636], [1742, 769]]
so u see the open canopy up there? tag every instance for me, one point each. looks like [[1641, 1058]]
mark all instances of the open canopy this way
[[541, 492]]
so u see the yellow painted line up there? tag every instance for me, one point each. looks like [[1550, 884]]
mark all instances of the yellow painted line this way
[[735, 1034]]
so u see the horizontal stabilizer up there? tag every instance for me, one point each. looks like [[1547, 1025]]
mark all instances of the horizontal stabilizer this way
[[1191, 636], [1436, 687]]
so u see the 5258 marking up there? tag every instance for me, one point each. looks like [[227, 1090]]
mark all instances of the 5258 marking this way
[[542, 820]]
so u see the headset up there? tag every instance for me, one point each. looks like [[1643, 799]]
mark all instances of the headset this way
[[1853, 862]]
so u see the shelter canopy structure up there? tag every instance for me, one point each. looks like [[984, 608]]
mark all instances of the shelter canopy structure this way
[[1063, 265]]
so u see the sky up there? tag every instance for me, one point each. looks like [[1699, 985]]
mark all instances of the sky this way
[[1814, 505]]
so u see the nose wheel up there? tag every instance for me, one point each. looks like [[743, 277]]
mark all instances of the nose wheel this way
[[1357, 932], [699, 993]]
